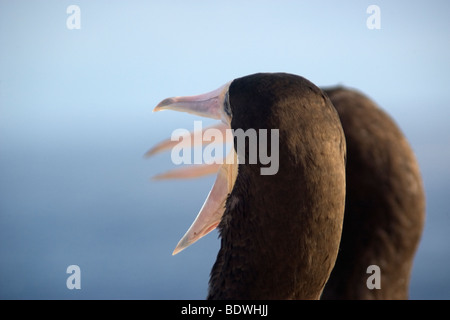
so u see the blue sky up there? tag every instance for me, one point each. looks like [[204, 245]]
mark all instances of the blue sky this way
[[76, 118]]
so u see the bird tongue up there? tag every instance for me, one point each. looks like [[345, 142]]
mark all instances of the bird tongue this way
[[209, 105]]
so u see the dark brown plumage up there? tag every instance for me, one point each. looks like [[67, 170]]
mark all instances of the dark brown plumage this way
[[385, 203], [280, 233]]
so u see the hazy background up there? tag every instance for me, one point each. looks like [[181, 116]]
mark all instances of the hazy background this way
[[76, 118]]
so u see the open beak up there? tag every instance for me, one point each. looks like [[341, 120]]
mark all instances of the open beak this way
[[211, 105]]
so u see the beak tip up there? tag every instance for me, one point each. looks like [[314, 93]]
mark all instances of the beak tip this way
[[182, 244]]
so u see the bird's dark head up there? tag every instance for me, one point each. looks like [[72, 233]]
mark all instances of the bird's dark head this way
[[288, 157]]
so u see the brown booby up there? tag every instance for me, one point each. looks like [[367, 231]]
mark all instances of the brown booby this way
[[280, 233]]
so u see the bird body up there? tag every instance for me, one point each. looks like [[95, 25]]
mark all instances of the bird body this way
[[385, 203]]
